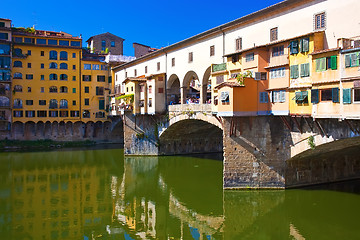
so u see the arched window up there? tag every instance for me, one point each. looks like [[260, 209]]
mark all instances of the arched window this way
[[63, 55], [17, 64], [63, 103], [63, 77], [4, 101], [53, 103], [53, 55], [53, 65], [17, 103], [53, 89], [63, 89], [17, 52], [17, 88], [63, 66], [53, 76], [17, 75]]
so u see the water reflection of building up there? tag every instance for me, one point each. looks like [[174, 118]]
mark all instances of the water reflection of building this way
[[146, 208], [56, 200]]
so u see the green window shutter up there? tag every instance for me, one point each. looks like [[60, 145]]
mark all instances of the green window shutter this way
[[318, 62], [333, 62], [335, 95], [307, 69], [323, 64], [294, 47], [302, 70], [347, 95], [291, 72], [305, 47], [347, 61], [101, 104], [296, 71], [315, 96], [301, 45]]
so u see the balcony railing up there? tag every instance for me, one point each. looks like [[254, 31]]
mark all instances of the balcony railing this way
[[53, 106], [17, 106]]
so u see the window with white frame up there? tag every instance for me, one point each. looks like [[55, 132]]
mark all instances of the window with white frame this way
[[278, 96], [277, 73]]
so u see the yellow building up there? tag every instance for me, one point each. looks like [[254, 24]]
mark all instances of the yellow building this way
[[46, 77], [94, 88], [300, 62], [5, 75]]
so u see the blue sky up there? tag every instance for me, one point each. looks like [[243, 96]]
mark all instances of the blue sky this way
[[153, 23]]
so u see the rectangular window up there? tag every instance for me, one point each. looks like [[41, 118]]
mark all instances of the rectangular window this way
[[352, 60], [99, 91], [64, 43], [158, 66], [29, 89], [356, 94], [96, 67], [277, 73], [42, 66], [104, 67], [53, 113], [145, 69], [42, 53], [238, 44], [16, 39], [330, 95], [29, 113], [4, 36], [273, 34], [42, 89], [86, 90], [74, 113], [52, 42], [103, 43], [277, 51], [41, 113], [74, 67], [347, 95], [29, 65], [225, 98], [249, 57], [212, 50], [294, 47], [29, 52], [42, 102], [75, 43], [101, 78], [113, 43], [304, 45], [18, 113], [74, 55], [41, 41], [29, 40], [74, 90], [102, 104], [74, 78], [278, 96], [191, 57], [319, 21], [64, 113], [29, 76], [294, 71], [305, 70], [135, 72], [86, 78], [74, 102], [264, 97], [173, 62], [86, 101], [42, 77], [87, 66], [29, 102]]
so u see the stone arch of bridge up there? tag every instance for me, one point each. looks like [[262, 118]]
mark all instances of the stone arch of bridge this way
[[189, 136], [190, 89], [205, 92], [173, 90]]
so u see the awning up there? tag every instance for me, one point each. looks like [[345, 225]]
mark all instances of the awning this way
[[300, 96]]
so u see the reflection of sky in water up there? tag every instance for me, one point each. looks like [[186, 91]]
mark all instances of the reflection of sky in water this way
[[100, 195]]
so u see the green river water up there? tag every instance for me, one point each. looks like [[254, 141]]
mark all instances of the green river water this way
[[99, 194]]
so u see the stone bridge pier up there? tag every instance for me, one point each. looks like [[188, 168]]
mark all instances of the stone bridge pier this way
[[267, 152]]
